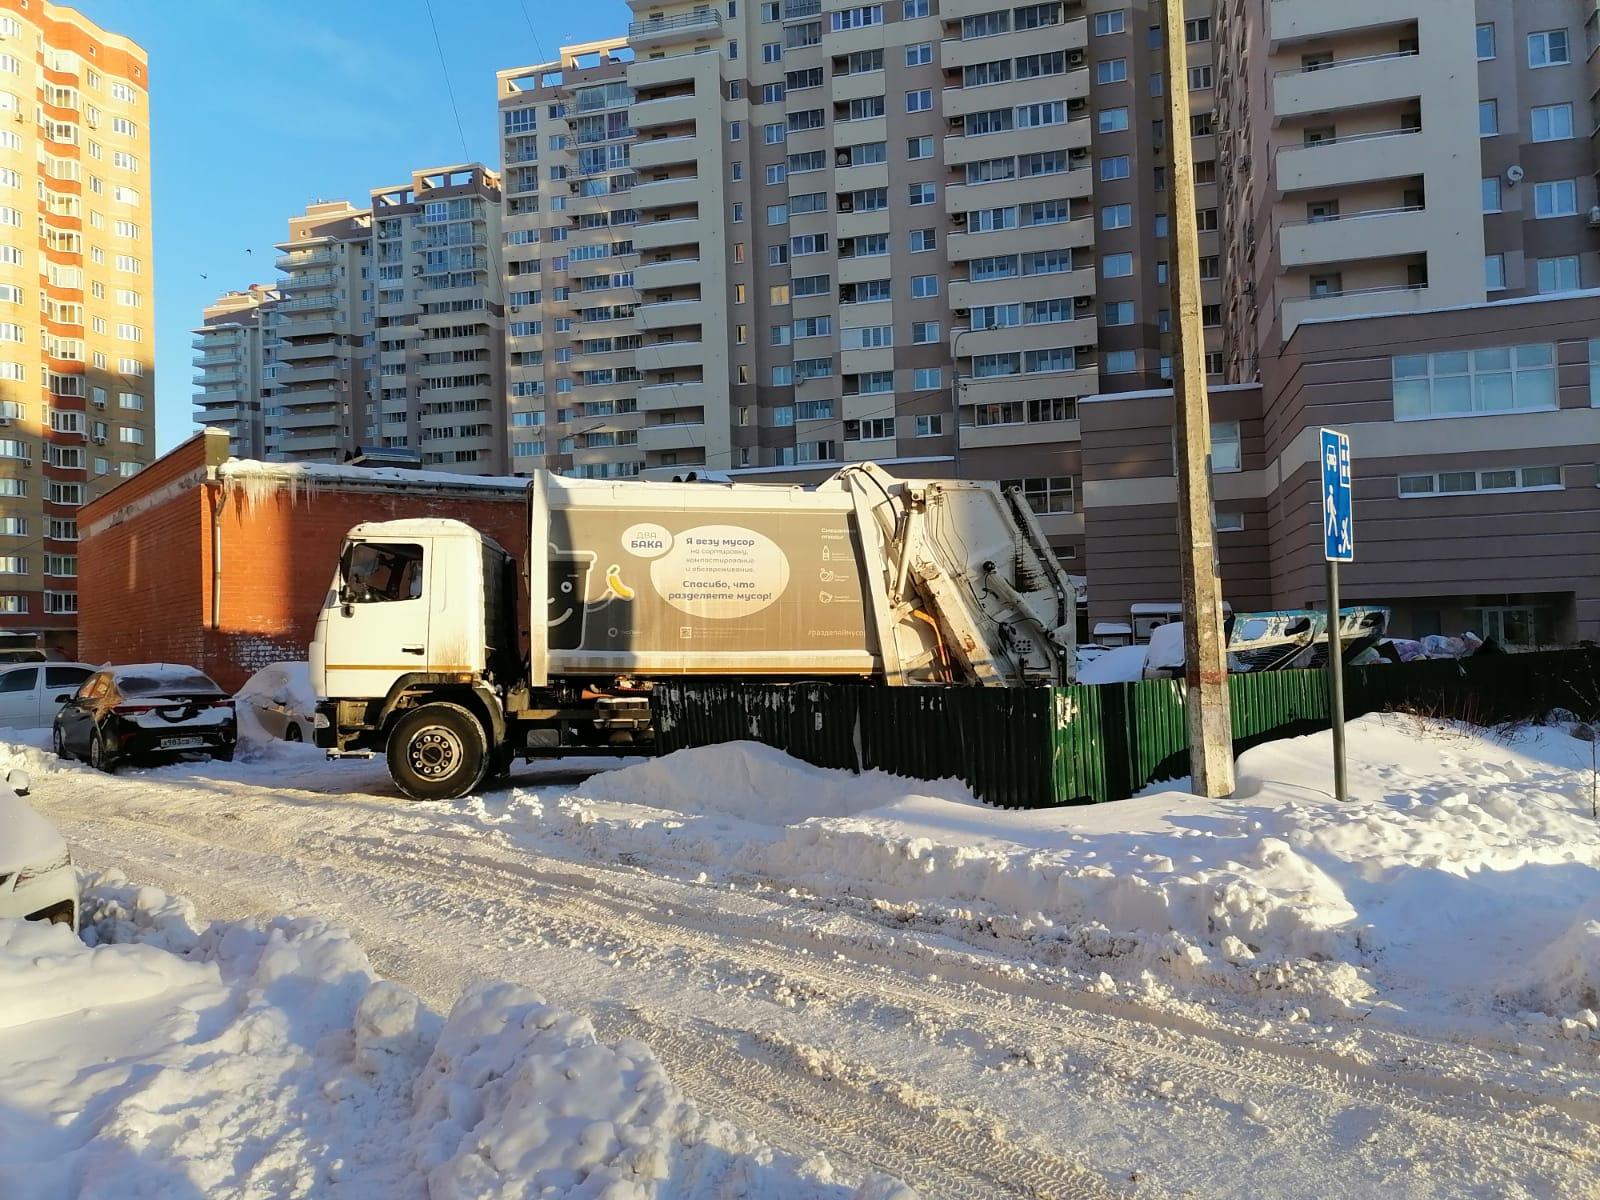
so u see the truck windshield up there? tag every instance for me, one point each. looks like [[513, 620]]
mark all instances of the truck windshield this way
[[378, 571]]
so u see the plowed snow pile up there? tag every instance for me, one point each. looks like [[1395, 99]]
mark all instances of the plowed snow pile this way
[[265, 1059], [1461, 879]]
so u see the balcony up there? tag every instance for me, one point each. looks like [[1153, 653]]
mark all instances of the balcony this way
[[1358, 158], [1079, 233], [678, 272], [326, 418], [649, 153], [958, 101], [656, 397], [1304, 20], [1020, 289], [670, 356], [322, 445], [666, 31], [1345, 83], [1376, 233], [299, 259], [959, 149], [322, 300], [219, 395], [1393, 298], [666, 193], [964, 197], [800, 10], [215, 415], [305, 282], [323, 372], [660, 235], [672, 314], [854, 179], [963, 52], [668, 110], [325, 347], [227, 375], [685, 436], [211, 360]]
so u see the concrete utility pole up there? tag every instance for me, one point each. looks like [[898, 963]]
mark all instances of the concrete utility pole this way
[[1205, 665]]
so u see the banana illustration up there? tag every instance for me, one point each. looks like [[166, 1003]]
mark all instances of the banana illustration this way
[[614, 583]]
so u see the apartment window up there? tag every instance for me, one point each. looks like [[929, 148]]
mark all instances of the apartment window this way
[[930, 425], [1056, 358], [924, 286], [924, 333], [1116, 266], [921, 193], [876, 429], [770, 12], [1111, 70], [1468, 383], [1491, 194], [1228, 522], [919, 147], [736, 214], [777, 214], [1485, 41], [1558, 274], [1119, 312], [1200, 78], [1494, 272], [1488, 118], [923, 240], [1206, 220], [1552, 122], [1116, 216], [910, 10], [1558, 198], [772, 52], [1226, 450], [1494, 479], [920, 100], [1548, 48], [1117, 166], [735, 131], [919, 55], [1108, 23], [1051, 494], [1112, 120], [774, 133]]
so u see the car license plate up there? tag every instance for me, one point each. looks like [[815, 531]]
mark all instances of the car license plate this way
[[181, 743]]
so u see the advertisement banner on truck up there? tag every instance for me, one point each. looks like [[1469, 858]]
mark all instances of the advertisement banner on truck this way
[[686, 582]]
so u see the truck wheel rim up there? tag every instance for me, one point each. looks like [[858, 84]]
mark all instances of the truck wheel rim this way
[[435, 752]]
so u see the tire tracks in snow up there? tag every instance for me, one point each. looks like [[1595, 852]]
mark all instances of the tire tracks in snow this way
[[784, 1103]]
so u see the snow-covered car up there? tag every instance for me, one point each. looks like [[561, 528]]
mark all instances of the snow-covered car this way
[[148, 711], [281, 700], [37, 879], [30, 692]]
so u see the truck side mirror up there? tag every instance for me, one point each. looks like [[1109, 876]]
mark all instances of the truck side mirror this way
[[347, 600], [64, 698]]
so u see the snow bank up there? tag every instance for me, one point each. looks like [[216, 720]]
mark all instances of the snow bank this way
[[265, 1058], [1124, 664], [1457, 876]]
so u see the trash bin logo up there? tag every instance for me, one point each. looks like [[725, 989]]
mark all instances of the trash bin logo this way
[[569, 585]]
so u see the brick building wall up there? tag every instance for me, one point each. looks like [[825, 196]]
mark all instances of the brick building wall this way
[[147, 578]]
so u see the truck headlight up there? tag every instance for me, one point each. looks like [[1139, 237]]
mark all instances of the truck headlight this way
[[319, 720]]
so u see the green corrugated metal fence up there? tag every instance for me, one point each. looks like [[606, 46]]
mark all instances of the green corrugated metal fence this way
[[1033, 747]]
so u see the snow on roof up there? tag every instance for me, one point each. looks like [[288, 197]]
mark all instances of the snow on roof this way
[[1153, 393], [1112, 628], [1542, 298], [1174, 606], [260, 481]]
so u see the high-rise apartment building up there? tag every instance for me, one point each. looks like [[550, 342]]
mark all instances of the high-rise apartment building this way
[[390, 331], [235, 355], [324, 328], [76, 344], [1427, 154]]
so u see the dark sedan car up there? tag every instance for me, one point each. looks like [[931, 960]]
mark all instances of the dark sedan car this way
[[148, 712]]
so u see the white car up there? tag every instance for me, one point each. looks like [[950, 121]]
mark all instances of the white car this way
[[281, 700], [37, 879], [30, 693]]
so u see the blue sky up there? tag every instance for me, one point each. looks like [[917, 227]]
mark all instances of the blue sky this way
[[261, 106]]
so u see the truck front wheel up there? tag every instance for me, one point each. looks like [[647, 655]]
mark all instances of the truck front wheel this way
[[438, 752]]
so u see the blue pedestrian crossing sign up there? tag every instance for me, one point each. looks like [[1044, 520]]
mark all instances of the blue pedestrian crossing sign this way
[[1338, 517]]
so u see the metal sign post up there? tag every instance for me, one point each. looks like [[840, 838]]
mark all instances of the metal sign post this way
[[1338, 545]]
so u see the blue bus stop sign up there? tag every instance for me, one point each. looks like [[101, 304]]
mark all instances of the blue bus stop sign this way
[[1338, 519]]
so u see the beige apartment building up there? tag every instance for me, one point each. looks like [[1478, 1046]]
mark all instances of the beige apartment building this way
[[390, 328], [76, 304], [235, 355], [1409, 232], [779, 237]]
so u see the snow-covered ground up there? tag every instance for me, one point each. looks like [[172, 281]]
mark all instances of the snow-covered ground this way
[[1272, 995]]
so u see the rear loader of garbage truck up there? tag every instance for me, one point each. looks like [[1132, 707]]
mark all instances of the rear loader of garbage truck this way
[[420, 653]]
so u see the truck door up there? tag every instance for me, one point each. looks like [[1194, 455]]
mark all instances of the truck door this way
[[377, 623]]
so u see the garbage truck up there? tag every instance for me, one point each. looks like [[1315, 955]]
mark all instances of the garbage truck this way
[[420, 655]]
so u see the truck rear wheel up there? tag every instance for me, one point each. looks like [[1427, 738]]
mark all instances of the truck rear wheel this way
[[438, 752]]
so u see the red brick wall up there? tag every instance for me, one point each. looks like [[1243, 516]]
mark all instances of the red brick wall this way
[[145, 583], [278, 559]]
